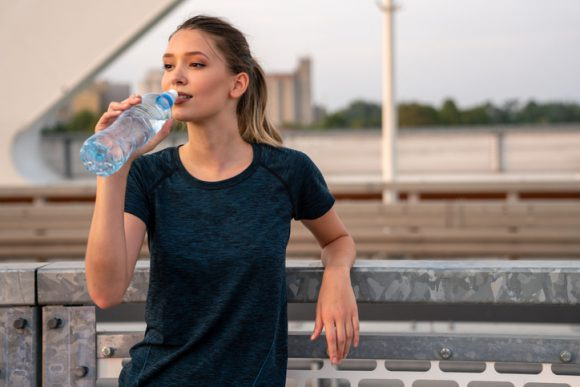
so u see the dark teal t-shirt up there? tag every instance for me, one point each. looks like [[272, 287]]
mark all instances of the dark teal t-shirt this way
[[216, 308]]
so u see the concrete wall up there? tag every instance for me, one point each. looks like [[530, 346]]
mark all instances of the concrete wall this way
[[551, 151]]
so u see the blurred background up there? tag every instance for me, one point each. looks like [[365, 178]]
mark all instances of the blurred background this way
[[447, 130], [480, 89]]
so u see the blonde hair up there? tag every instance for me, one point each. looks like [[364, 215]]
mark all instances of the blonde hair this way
[[253, 122]]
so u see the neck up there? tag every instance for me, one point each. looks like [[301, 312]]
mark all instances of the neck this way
[[215, 145]]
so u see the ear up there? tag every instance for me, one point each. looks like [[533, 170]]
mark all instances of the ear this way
[[240, 84]]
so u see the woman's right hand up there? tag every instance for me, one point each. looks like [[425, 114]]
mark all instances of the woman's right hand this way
[[114, 111]]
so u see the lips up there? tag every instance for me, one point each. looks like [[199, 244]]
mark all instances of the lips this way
[[182, 97]]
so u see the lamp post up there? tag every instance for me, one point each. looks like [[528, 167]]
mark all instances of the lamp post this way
[[389, 109]]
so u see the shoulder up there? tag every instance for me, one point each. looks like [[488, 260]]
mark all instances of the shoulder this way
[[283, 157], [292, 166], [153, 167]]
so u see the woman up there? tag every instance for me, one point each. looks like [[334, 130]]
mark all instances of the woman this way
[[217, 211]]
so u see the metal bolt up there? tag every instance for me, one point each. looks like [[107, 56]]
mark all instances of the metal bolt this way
[[566, 356], [55, 323], [445, 353], [20, 323], [81, 371], [108, 351]]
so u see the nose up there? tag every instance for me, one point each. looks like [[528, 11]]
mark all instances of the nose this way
[[177, 76]]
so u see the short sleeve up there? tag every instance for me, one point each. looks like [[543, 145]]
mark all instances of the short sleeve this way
[[136, 201], [311, 194]]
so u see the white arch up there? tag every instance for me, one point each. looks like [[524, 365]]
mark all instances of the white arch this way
[[50, 49]]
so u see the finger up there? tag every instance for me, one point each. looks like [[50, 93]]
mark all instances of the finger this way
[[349, 338], [341, 340], [317, 327], [331, 340], [106, 119], [166, 128], [356, 327], [125, 104]]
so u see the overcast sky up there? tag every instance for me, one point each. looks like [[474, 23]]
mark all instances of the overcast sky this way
[[470, 50]]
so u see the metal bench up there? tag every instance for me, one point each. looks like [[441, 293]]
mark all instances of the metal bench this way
[[405, 230]]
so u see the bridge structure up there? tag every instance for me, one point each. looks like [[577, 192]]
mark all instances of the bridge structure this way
[[51, 50]]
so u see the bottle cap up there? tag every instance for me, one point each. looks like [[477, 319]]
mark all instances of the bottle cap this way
[[168, 96], [173, 94]]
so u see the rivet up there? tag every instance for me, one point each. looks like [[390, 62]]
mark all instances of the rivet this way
[[55, 323], [108, 351], [81, 371], [445, 353], [20, 323], [566, 356]]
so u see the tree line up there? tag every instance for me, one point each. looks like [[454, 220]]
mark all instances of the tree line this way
[[364, 114]]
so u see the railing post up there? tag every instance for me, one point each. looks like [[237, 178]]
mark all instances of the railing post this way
[[69, 346], [18, 346]]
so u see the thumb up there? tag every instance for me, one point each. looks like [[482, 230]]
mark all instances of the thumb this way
[[167, 126], [317, 327]]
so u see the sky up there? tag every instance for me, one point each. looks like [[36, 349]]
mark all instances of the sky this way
[[472, 51]]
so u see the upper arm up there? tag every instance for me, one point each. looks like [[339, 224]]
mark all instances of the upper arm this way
[[134, 236], [326, 228]]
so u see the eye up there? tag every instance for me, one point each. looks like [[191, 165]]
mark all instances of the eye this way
[[197, 65], [167, 66]]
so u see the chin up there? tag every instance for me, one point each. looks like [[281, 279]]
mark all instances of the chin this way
[[181, 115]]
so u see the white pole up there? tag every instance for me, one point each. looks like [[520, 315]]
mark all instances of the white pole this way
[[389, 110]]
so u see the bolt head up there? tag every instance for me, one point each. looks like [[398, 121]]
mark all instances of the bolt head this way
[[566, 356], [81, 371], [445, 353], [108, 351], [20, 323], [55, 323]]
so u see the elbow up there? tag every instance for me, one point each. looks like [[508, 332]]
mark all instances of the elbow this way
[[106, 303]]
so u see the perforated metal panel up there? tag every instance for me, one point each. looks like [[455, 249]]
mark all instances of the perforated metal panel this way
[[384, 373]]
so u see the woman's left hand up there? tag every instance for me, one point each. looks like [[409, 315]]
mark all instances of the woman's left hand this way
[[337, 311]]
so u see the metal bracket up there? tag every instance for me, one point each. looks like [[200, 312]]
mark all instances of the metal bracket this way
[[69, 346]]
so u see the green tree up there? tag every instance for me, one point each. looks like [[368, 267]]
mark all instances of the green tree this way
[[477, 115], [415, 114], [83, 121], [449, 113], [359, 114]]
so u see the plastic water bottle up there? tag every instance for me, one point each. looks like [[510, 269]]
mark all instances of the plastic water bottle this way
[[105, 152]]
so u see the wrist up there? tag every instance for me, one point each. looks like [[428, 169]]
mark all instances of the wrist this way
[[338, 270]]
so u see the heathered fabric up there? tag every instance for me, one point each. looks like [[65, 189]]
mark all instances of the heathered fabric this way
[[216, 309]]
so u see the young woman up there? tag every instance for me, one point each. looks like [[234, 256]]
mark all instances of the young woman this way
[[217, 211]]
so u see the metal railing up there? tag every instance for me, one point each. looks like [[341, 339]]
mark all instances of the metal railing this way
[[49, 333]]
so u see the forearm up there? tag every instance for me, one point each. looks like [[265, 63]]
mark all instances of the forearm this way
[[106, 256], [339, 255]]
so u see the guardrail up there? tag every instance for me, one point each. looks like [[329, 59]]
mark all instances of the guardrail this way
[[49, 333], [500, 189]]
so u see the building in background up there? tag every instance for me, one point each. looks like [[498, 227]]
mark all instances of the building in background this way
[[289, 95], [152, 82], [95, 98]]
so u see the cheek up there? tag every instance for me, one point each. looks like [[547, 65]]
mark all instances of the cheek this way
[[165, 83], [213, 86]]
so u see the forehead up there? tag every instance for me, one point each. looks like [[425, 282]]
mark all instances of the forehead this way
[[191, 40]]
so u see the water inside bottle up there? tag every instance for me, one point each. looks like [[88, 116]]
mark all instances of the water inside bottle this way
[[102, 155], [156, 124]]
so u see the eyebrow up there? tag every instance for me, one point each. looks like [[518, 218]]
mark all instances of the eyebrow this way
[[189, 53]]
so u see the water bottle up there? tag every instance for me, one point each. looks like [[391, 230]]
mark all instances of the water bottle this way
[[105, 152]]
